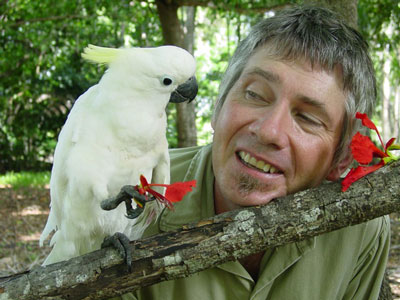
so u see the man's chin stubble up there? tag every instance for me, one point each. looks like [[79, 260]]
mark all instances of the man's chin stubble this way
[[248, 184]]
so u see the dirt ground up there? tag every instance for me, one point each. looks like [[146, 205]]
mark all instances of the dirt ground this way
[[23, 213]]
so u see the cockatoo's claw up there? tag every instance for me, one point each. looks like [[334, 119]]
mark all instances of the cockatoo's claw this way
[[121, 242], [128, 190], [125, 195], [133, 213], [113, 202]]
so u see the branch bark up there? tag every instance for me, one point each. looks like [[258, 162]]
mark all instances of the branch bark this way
[[196, 247]]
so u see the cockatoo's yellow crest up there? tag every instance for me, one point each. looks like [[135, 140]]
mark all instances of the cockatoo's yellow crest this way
[[100, 55]]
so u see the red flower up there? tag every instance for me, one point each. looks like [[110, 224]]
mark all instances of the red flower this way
[[364, 150], [174, 193]]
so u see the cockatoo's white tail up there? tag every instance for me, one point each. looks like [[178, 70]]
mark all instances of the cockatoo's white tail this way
[[100, 55]]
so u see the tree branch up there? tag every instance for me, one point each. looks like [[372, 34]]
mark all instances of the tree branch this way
[[226, 237]]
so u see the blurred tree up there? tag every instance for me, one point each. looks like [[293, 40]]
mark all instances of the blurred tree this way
[[379, 22]]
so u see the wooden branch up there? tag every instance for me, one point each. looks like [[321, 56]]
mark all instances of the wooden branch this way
[[196, 247]]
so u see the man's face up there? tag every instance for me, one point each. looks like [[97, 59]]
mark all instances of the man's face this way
[[277, 132]]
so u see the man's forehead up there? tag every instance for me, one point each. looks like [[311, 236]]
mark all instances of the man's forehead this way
[[267, 50]]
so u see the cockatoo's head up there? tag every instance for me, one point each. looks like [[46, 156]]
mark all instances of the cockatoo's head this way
[[165, 69]]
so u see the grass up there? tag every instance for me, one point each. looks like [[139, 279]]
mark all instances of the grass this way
[[25, 179]]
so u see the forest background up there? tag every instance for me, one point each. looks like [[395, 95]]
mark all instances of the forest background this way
[[42, 72]]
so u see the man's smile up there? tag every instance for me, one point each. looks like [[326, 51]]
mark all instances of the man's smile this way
[[252, 162]]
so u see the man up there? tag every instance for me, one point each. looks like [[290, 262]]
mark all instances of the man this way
[[282, 124]]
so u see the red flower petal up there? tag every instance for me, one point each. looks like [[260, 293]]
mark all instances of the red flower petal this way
[[143, 181], [161, 198], [176, 191], [366, 121], [389, 143], [363, 149], [359, 172]]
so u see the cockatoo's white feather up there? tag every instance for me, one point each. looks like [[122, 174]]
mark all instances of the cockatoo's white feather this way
[[114, 133], [100, 55]]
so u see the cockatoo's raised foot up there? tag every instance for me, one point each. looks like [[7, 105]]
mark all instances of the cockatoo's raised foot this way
[[127, 193], [121, 242]]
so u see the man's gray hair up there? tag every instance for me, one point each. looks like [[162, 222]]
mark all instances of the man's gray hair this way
[[322, 38]]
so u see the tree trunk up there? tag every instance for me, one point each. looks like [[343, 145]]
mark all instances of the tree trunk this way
[[396, 123], [174, 35], [386, 93], [226, 237], [186, 112]]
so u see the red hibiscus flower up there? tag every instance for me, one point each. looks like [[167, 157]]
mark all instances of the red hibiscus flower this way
[[364, 150], [174, 192]]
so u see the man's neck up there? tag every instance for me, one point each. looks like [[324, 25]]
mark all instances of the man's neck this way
[[252, 264]]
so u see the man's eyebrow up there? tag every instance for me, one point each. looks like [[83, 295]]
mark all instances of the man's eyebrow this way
[[270, 76]]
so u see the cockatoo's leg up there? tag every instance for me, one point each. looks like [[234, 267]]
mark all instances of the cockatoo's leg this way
[[121, 242], [127, 193]]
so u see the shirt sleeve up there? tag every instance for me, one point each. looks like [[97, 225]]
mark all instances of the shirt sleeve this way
[[368, 275]]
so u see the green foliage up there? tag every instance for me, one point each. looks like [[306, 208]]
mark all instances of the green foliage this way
[[25, 179], [42, 73]]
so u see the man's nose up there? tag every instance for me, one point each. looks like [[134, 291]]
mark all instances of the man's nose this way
[[273, 126]]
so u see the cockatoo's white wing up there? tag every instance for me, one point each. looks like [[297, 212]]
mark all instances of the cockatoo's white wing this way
[[114, 133]]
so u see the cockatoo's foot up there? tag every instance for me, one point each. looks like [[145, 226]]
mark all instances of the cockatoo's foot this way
[[127, 193], [121, 242]]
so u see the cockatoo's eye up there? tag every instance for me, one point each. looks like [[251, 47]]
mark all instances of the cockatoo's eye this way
[[166, 80]]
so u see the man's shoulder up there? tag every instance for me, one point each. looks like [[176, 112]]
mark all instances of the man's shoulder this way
[[183, 154], [376, 231], [182, 158], [373, 229], [367, 236]]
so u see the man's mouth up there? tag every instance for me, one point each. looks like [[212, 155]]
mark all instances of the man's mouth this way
[[257, 164]]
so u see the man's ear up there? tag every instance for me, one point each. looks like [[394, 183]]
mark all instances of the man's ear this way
[[340, 167]]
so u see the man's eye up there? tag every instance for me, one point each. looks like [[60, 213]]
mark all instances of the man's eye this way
[[250, 95], [309, 120]]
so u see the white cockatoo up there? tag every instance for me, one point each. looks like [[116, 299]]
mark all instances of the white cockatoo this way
[[115, 132]]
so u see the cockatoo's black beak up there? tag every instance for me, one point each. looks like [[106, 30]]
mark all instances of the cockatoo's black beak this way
[[185, 92]]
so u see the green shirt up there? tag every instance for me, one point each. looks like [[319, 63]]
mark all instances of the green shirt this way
[[345, 264]]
